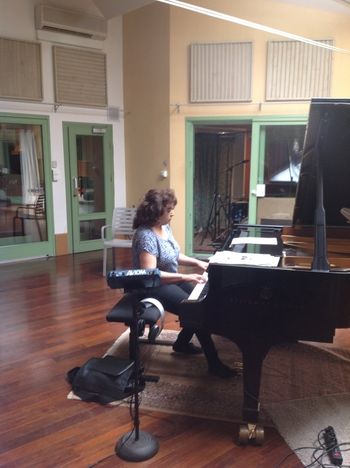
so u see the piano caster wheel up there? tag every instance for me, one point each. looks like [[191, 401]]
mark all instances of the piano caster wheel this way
[[259, 435], [251, 433], [243, 435]]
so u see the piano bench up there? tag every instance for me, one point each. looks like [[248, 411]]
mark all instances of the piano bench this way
[[151, 314]]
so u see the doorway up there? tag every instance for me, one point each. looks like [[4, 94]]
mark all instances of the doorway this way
[[220, 182], [89, 181]]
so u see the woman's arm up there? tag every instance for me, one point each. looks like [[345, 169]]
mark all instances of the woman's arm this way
[[148, 260], [190, 261]]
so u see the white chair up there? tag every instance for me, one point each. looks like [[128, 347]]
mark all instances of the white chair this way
[[34, 212], [121, 232]]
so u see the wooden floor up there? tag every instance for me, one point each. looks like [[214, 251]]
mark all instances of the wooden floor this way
[[53, 319]]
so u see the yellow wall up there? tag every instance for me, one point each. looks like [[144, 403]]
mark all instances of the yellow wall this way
[[180, 30], [146, 98]]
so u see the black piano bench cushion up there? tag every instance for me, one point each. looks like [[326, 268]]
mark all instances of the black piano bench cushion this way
[[122, 311], [153, 311]]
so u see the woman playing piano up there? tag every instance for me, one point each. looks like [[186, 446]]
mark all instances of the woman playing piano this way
[[155, 247]]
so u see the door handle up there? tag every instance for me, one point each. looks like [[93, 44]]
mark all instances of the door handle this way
[[75, 187]]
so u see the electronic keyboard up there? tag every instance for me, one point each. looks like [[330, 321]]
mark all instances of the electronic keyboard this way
[[133, 279]]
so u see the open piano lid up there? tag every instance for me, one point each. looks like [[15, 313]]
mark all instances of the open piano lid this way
[[327, 141]]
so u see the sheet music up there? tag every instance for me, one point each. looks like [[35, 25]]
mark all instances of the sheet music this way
[[254, 240], [226, 257]]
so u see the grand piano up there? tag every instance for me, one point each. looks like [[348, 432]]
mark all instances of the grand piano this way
[[275, 284]]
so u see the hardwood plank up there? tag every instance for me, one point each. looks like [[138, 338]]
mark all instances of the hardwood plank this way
[[53, 319]]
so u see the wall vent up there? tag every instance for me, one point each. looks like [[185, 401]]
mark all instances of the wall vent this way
[[51, 18]]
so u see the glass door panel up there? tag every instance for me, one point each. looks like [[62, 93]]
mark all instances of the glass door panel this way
[[90, 230], [22, 185], [280, 157], [90, 167]]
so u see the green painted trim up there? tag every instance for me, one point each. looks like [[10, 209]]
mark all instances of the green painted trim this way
[[261, 158], [66, 155], [189, 164], [247, 119], [18, 117], [25, 251], [254, 162], [43, 248]]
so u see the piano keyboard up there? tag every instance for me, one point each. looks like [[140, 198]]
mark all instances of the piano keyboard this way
[[199, 290]]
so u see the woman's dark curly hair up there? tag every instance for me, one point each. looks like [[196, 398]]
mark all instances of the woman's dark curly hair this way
[[152, 206]]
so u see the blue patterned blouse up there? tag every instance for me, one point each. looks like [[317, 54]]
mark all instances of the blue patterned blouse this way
[[166, 250]]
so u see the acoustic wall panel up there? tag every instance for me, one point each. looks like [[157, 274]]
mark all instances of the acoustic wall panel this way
[[296, 70], [221, 72], [80, 77], [20, 70]]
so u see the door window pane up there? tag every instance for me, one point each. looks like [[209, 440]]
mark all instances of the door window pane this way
[[90, 170], [91, 230], [283, 151], [22, 185]]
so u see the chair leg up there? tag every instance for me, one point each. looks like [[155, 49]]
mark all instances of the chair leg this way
[[21, 220], [39, 230], [113, 253], [104, 269], [14, 226]]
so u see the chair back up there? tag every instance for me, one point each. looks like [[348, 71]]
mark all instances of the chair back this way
[[40, 206], [122, 221]]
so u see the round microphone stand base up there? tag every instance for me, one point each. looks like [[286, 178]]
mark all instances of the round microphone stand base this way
[[131, 449]]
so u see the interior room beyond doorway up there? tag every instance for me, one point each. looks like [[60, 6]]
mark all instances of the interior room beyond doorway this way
[[220, 183]]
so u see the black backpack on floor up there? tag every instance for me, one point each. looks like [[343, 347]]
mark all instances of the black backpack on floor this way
[[103, 380]]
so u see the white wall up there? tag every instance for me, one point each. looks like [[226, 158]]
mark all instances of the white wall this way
[[17, 22]]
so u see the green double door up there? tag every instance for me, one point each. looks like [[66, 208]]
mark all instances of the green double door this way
[[89, 182]]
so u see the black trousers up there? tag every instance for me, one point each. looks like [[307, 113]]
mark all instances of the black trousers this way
[[171, 296]]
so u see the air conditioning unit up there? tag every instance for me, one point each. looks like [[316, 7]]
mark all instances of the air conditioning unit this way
[[56, 19]]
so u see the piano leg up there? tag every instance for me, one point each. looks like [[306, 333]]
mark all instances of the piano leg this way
[[254, 352]]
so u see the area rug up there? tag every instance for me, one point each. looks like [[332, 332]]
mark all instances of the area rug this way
[[290, 372], [305, 387], [301, 421]]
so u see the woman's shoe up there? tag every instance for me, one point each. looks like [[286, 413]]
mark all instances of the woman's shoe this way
[[187, 348], [221, 370]]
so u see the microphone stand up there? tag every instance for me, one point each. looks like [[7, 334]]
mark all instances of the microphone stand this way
[[231, 170], [136, 445]]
